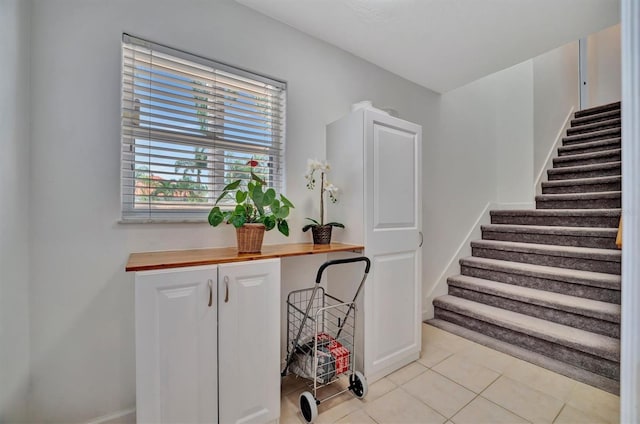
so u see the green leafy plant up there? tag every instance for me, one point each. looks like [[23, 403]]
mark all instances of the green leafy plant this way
[[254, 204], [325, 188]]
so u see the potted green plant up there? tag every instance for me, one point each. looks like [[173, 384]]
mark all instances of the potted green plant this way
[[321, 231], [258, 209]]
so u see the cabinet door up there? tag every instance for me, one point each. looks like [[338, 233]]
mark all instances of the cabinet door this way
[[249, 341], [176, 350], [392, 237]]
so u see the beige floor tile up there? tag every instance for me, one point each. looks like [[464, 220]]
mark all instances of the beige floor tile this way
[[541, 379], [440, 393], [469, 374], [358, 417], [289, 412], [292, 383], [595, 402], [379, 388], [400, 407], [446, 340], [522, 400], [570, 415], [331, 414], [488, 358], [407, 373], [481, 411], [433, 354], [325, 392]]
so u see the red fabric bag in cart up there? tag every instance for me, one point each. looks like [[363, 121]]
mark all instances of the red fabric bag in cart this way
[[339, 352]]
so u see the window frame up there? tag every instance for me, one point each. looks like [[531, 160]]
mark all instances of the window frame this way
[[179, 213]]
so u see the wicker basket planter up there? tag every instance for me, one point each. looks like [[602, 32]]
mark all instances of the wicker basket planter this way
[[249, 238], [321, 234]]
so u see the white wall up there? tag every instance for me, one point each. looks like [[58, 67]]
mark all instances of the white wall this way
[[481, 154], [604, 66], [556, 85], [82, 300], [14, 226], [514, 139]]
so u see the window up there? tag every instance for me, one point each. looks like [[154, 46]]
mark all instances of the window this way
[[190, 126]]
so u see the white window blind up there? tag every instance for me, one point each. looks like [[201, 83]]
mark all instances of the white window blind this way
[[190, 126]]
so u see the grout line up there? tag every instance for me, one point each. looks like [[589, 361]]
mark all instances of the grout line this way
[[559, 412], [508, 410]]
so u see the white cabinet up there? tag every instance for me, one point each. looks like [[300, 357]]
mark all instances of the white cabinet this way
[[176, 346], [249, 341], [207, 344], [376, 160]]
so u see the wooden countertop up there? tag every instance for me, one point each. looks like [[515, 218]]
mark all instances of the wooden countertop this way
[[146, 261]]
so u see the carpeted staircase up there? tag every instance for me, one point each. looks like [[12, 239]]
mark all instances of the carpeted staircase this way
[[544, 284]]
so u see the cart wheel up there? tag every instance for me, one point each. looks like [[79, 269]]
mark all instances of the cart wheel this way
[[308, 407], [358, 385]]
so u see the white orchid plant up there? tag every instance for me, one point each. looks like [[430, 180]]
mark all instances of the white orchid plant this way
[[321, 167]]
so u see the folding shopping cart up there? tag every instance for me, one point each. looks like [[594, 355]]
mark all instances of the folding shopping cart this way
[[321, 340]]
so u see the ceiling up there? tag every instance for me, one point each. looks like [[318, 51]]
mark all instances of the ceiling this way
[[443, 44]]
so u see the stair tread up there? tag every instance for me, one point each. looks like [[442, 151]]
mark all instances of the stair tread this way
[[584, 168], [551, 249], [590, 144], [583, 181], [569, 370], [558, 212], [581, 196], [589, 155], [596, 117], [591, 135], [585, 341], [590, 278], [555, 230], [590, 125], [597, 109], [578, 305]]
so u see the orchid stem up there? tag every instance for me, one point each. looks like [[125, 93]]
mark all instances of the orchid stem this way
[[322, 198]]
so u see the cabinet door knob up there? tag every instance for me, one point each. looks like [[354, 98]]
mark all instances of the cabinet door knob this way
[[226, 290], [421, 239], [210, 293]]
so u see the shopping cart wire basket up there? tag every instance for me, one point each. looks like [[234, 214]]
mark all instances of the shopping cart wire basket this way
[[321, 339]]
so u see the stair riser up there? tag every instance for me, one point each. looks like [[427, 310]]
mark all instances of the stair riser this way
[[570, 319], [605, 116], [574, 357], [582, 188], [572, 175], [592, 136], [538, 283], [606, 266], [558, 221], [578, 149], [593, 127], [565, 162], [554, 239], [579, 204]]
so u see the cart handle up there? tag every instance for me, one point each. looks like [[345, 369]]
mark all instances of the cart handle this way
[[343, 261]]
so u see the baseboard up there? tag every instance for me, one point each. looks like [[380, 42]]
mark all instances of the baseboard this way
[[125, 416], [553, 153], [439, 287]]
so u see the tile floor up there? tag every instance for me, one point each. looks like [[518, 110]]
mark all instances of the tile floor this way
[[457, 381]]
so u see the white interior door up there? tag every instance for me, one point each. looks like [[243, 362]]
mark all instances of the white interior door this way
[[176, 351], [249, 341], [393, 221]]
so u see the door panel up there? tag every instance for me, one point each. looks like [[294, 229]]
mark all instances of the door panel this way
[[394, 187], [176, 346], [393, 222], [392, 183], [249, 341], [394, 307]]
